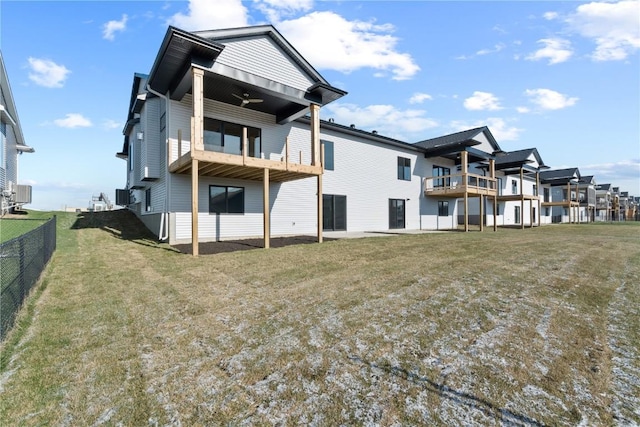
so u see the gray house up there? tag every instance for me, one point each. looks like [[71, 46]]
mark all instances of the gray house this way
[[12, 195]]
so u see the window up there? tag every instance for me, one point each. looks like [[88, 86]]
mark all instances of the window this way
[[328, 155], [546, 194], [441, 171], [547, 211], [517, 214], [225, 199], [404, 169], [334, 212], [225, 137], [443, 208], [535, 190], [131, 151], [147, 200], [514, 186], [396, 213], [499, 184]]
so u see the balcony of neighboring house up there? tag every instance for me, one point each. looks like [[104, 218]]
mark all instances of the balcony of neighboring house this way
[[457, 185]]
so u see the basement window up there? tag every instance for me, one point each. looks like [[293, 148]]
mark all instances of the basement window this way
[[226, 199]]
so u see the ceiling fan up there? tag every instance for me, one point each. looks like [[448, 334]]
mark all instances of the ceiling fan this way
[[246, 100]]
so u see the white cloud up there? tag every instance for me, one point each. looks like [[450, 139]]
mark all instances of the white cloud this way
[[550, 16], [497, 48], [72, 121], [548, 99], [209, 15], [109, 29], [386, 119], [419, 98], [47, 73], [275, 10], [499, 128], [523, 110], [614, 27], [111, 124], [626, 168], [482, 101], [556, 50], [348, 45]]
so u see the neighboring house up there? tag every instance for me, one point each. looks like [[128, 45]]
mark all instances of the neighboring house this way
[[563, 185], [471, 155], [604, 202], [519, 187], [12, 195], [224, 140], [587, 198]]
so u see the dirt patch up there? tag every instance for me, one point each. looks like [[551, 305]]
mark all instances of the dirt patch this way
[[211, 248]]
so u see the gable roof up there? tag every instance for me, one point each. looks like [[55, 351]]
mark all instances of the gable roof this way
[[9, 112], [603, 187], [519, 158], [560, 176], [587, 179], [466, 140]]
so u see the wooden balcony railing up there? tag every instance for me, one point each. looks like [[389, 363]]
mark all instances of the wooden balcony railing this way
[[459, 184]]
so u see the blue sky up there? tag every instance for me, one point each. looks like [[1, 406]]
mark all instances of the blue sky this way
[[563, 77]]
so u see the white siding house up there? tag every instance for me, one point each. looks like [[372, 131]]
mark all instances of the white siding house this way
[[224, 140], [12, 194]]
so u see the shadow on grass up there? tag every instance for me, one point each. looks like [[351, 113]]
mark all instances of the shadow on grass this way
[[121, 224], [124, 224], [456, 396], [212, 248]]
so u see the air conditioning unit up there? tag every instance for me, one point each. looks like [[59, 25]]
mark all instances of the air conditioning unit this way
[[23, 194], [123, 197]]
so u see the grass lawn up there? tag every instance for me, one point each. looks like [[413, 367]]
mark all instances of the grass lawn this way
[[12, 226], [518, 327]]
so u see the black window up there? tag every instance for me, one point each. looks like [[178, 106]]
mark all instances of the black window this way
[[225, 199], [535, 190], [441, 171], [147, 200], [546, 194], [514, 186], [334, 212], [517, 214], [227, 137], [404, 169], [396, 213], [443, 208], [328, 155]]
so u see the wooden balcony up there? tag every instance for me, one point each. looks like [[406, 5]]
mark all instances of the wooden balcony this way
[[460, 184], [241, 166]]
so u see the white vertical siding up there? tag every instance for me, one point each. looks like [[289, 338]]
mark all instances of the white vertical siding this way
[[263, 57], [150, 149]]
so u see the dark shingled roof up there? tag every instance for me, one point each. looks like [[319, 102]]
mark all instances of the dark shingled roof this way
[[559, 175], [458, 138], [586, 179], [518, 158], [605, 187]]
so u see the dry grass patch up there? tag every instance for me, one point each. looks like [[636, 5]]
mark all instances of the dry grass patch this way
[[530, 327]]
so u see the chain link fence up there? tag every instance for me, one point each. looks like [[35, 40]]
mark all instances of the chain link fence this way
[[22, 260]]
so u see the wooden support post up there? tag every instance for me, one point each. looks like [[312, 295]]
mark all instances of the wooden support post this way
[[198, 107], [495, 213], [481, 201], [464, 163], [315, 134], [194, 207], [466, 211], [320, 218], [522, 198], [538, 189], [266, 213], [286, 153], [244, 145]]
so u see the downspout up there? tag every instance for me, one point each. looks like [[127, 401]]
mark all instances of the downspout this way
[[163, 233]]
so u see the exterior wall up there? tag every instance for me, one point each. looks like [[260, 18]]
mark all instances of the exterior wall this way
[[261, 56], [367, 173], [149, 149]]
